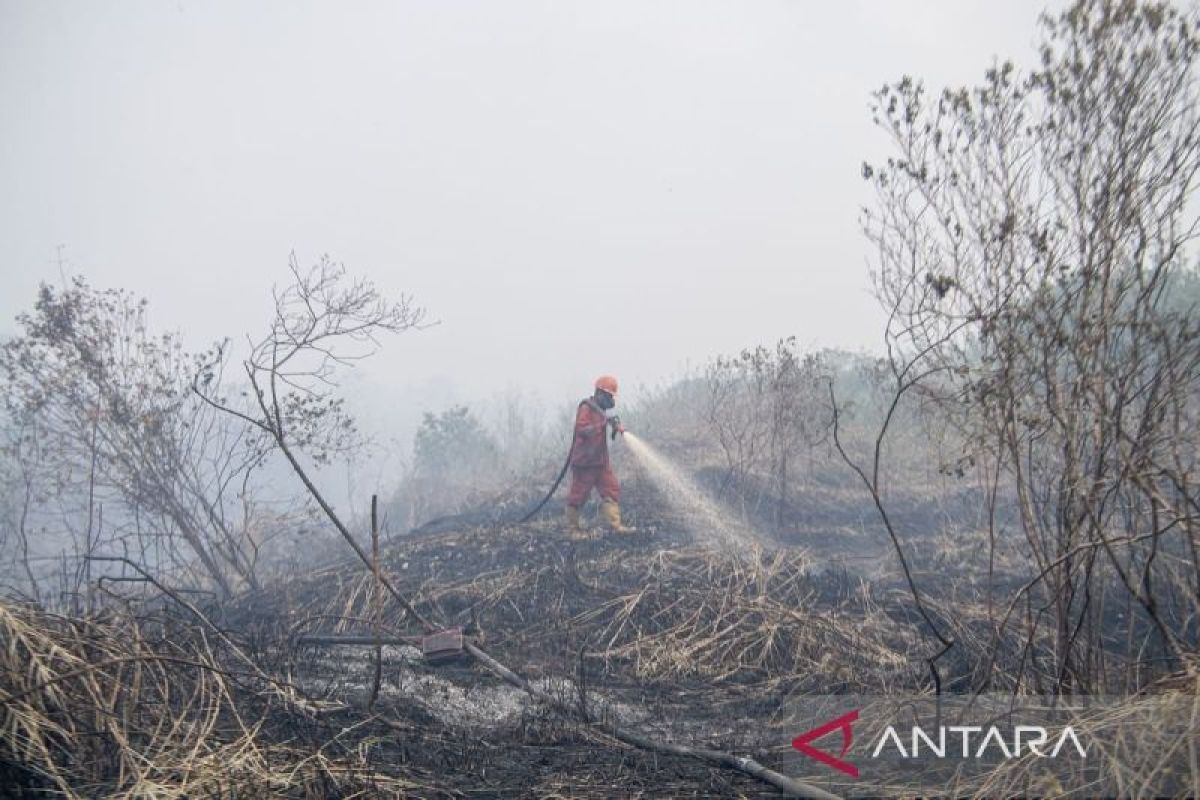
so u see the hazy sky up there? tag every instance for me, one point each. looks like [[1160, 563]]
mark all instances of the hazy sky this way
[[570, 188]]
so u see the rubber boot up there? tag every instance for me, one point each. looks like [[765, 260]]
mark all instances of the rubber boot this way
[[575, 531], [612, 515]]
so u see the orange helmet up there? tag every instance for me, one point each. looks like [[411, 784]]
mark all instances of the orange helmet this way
[[608, 383]]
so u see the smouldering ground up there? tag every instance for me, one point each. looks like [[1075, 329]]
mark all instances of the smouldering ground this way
[[668, 638]]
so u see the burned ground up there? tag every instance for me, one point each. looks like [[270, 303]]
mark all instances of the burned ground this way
[[651, 632]]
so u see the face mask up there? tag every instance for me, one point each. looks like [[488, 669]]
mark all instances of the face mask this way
[[605, 400]]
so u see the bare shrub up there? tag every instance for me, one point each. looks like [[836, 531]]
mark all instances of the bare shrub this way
[[101, 416], [1029, 233]]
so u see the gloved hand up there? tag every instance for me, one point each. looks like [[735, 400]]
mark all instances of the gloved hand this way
[[617, 427]]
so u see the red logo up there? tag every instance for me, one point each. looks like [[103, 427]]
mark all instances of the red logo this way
[[844, 722]]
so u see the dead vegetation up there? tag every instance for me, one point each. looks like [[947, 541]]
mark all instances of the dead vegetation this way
[[672, 642], [1013, 508], [151, 707], [230, 699]]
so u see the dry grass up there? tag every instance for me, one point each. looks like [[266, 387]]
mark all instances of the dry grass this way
[[128, 710], [673, 639], [718, 617]]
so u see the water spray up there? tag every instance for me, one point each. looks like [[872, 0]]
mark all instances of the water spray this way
[[708, 521]]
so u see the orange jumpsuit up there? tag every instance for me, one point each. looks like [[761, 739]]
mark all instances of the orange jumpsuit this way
[[590, 468]]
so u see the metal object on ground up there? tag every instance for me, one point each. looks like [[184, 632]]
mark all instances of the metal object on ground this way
[[442, 645]]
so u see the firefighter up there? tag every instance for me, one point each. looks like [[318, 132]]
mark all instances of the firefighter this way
[[590, 467]]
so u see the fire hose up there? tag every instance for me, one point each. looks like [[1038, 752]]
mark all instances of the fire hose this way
[[562, 473], [433, 641]]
